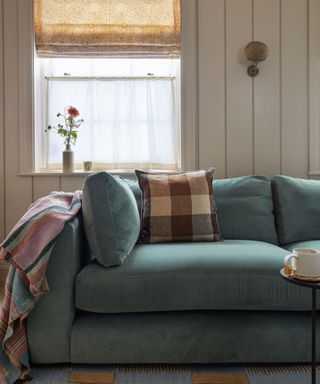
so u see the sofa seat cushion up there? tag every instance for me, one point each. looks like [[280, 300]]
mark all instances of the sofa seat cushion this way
[[235, 274]]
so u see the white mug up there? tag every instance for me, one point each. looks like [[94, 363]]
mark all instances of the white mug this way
[[304, 262]]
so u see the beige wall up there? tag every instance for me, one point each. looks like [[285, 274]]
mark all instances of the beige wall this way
[[253, 126], [2, 216], [245, 126]]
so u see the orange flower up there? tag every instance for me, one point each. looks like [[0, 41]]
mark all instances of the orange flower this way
[[73, 112]]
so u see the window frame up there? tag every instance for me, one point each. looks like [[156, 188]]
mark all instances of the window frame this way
[[48, 73], [28, 143]]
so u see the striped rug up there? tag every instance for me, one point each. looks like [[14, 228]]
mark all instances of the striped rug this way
[[178, 374]]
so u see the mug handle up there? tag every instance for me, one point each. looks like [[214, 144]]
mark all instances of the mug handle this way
[[287, 261]]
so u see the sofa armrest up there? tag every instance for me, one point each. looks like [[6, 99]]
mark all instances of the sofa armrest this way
[[49, 324]]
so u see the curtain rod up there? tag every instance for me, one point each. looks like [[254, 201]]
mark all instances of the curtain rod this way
[[108, 78]]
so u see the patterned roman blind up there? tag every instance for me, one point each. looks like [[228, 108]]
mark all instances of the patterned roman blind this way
[[107, 28]]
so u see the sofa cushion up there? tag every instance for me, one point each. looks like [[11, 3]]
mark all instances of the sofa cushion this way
[[135, 188], [315, 244], [110, 217], [297, 208], [245, 208], [178, 207], [229, 275]]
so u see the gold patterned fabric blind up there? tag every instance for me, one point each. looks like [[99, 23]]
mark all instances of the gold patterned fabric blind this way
[[107, 28]]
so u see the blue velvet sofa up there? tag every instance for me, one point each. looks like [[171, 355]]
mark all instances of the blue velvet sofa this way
[[207, 302]]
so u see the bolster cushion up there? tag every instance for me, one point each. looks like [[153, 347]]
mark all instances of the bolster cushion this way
[[110, 217]]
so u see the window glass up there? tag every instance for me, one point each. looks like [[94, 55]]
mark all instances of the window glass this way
[[130, 107]]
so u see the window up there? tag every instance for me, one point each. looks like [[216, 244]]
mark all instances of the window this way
[[121, 68], [130, 107], [30, 142]]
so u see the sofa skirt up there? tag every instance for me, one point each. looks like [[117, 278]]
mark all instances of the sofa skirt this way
[[192, 337]]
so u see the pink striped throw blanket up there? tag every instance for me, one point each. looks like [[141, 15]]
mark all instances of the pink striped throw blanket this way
[[27, 248]]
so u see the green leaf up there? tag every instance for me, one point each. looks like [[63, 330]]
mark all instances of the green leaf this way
[[62, 132]]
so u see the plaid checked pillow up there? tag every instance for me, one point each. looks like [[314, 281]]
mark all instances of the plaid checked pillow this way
[[178, 207]]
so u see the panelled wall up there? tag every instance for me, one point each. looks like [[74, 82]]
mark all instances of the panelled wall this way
[[245, 126], [253, 125], [2, 201]]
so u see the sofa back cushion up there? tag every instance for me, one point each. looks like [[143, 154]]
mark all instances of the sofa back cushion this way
[[110, 217], [297, 208], [245, 208], [135, 188]]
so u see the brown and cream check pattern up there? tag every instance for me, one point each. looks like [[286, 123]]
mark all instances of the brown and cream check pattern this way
[[178, 207]]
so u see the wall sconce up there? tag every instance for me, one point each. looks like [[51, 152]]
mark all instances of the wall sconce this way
[[255, 51]]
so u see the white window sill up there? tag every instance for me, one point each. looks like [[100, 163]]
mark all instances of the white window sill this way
[[314, 174], [119, 172], [123, 173]]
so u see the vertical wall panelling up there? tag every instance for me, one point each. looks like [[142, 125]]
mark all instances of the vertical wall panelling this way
[[239, 89], [211, 50], [267, 150], [18, 190], [72, 183], [189, 85], [294, 87], [43, 185], [3, 266], [25, 68], [314, 83], [2, 210]]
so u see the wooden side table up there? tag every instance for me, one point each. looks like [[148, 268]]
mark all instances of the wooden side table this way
[[314, 286]]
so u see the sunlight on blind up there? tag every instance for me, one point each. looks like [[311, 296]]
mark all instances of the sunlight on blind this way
[[108, 28]]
